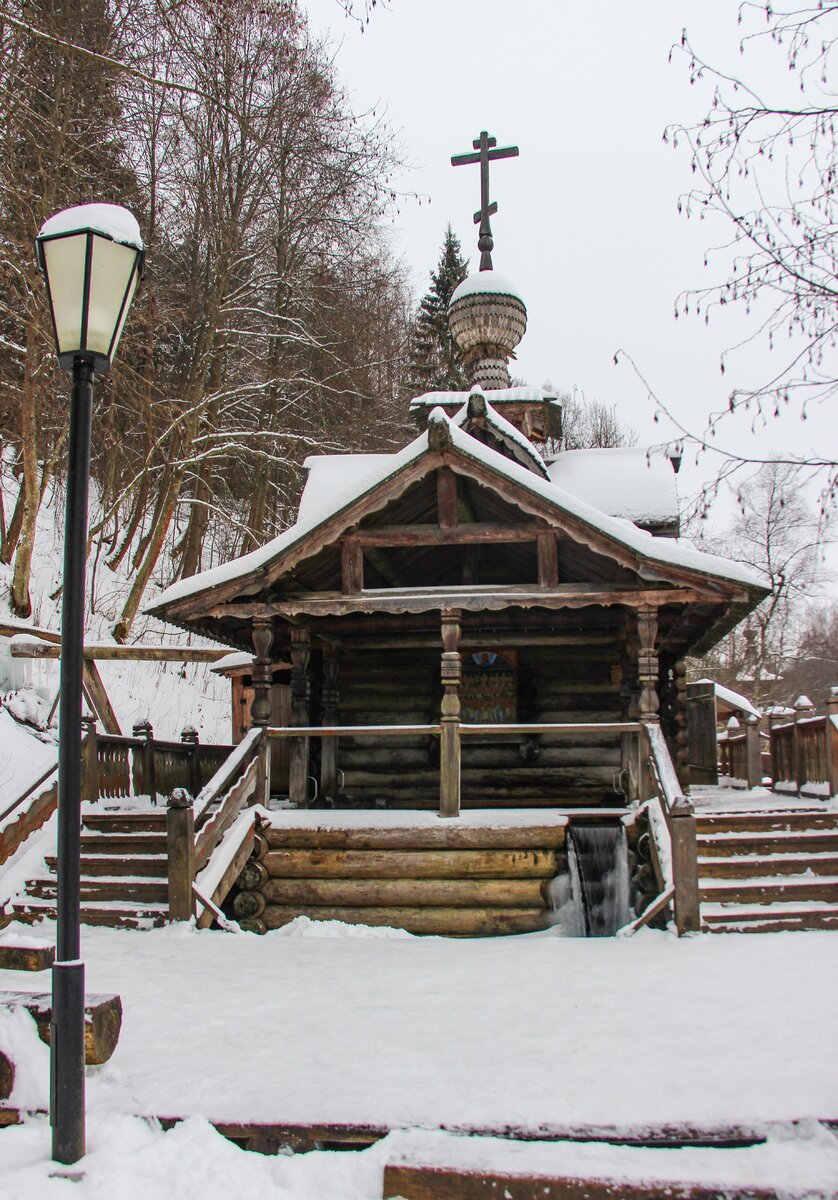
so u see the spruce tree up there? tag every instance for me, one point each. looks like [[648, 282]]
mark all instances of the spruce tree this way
[[436, 363]]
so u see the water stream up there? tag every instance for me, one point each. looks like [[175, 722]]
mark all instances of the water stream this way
[[592, 900]]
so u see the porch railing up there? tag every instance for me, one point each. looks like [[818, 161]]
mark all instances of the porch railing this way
[[804, 752]]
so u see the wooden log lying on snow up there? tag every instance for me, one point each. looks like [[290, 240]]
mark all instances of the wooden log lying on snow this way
[[7, 1076], [446, 922], [26, 958], [411, 864], [440, 1183], [102, 1020], [456, 893]]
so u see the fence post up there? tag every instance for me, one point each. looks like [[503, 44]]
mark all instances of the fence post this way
[[144, 730], [89, 759], [803, 707], [189, 735], [832, 741], [180, 852], [449, 753], [685, 866], [754, 751]]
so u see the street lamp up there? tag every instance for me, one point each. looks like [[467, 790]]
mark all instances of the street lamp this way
[[92, 259]]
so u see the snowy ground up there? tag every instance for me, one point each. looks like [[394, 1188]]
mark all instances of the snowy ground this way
[[326, 1023]]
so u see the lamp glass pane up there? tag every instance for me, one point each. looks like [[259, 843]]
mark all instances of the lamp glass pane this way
[[64, 261], [110, 275], [132, 288]]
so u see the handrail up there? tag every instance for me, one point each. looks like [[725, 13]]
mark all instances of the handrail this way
[[219, 822], [674, 836], [225, 774], [291, 731], [24, 795]]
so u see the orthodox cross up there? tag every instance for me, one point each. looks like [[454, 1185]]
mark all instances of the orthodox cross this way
[[485, 147]]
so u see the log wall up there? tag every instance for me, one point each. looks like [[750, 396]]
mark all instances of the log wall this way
[[555, 684]]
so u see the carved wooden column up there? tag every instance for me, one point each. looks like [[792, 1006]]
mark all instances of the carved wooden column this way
[[329, 716], [300, 695], [260, 711], [682, 755], [647, 663], [449, 756]]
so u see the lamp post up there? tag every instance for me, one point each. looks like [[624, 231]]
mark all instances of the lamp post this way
[[92, 260]]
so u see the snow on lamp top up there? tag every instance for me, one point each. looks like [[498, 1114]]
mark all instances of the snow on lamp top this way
[[92, 259], [111, 220]]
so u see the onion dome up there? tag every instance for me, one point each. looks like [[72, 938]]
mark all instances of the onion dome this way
[[487, 319]]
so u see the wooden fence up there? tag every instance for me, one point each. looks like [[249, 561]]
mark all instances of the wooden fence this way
[[804, 751], [142, 765]]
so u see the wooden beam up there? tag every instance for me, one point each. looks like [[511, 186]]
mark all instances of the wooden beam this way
[[432, 535], [446, 498], [352, 566], [475, 599], [548, 560], [37, 649], [98, 696]]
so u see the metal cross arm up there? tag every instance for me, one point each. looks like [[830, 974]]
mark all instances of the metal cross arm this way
[[487, 151]]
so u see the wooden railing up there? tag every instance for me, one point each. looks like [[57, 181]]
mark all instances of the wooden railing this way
[[28, 811], [804, 752], [672, 826], [740, 754], [196, 830], [142, 765]]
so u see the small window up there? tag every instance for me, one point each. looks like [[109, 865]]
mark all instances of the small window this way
[[489, 692]]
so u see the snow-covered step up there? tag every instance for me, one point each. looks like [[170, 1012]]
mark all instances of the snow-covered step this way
[[768, 918], [742, 822], [114, 913], [766, 889], [103, 864], [123, 843], [753, 865], [107, 887], [817, 841], [125, 822]]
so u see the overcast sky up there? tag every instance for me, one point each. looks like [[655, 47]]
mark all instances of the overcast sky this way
[[588, 226]]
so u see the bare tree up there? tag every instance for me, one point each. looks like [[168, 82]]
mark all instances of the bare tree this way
[[766, 165], [779, 534]]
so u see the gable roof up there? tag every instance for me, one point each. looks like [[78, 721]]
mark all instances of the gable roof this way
[[653, 555]]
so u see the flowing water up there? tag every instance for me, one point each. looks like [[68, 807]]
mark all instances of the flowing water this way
[[592, 900]]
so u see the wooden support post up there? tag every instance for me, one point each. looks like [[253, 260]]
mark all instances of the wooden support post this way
[[298, 771], [685, 866], [647, 663], [832, 741], [89, 759], [261, 709], [352, 566], [446, 498], [189, 735], [180, 852], [148, 783], [548, 559], [329, 745], [449, 756], [754, 751]]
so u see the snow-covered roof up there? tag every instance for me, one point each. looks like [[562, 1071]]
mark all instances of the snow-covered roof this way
[[232, 662], [485, 283], [329, 475], [661, 551], [734, 699], [623, 482], [112, 220]]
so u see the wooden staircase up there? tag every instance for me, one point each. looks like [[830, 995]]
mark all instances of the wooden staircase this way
[[761, 872], [455, 882], [123, 873]]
